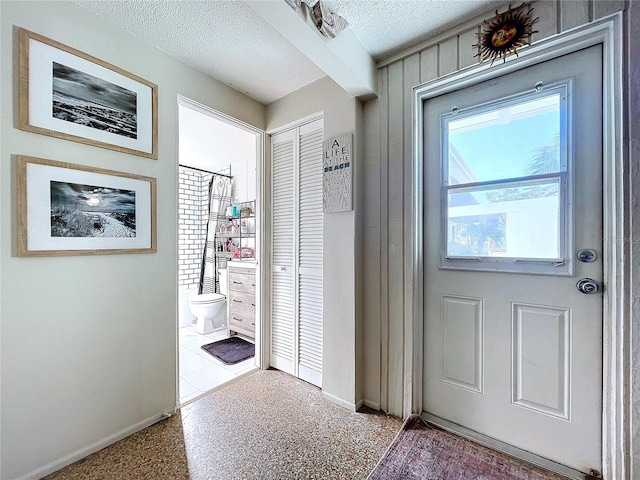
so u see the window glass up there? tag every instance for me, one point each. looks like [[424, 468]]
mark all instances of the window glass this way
[[512, 141], [519, 221], [505, 191]]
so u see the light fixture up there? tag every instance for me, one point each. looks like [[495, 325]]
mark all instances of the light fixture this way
[[328, 23]]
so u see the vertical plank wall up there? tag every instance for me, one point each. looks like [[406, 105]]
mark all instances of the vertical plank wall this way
[[388, 181], [633, 119]]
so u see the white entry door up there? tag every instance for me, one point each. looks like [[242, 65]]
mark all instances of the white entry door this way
[[296, 262], [513, 229]]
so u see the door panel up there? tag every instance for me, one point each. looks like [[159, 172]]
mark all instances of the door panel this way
[[283, 157], [310, 238], [518, 356], [462, 342], [540, 358]]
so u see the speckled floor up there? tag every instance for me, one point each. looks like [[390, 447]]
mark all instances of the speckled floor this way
[[268, 425]]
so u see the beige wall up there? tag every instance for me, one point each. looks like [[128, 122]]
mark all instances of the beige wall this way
[[89, 342], [86, 342], [388, 185], [339, 357]]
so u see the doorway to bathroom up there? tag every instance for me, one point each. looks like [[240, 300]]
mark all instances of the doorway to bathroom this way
[[219, 226]]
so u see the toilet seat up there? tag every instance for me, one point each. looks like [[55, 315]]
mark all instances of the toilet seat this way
[[208, 298]]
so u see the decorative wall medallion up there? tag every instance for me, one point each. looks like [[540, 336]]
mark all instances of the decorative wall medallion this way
[[506, 33]]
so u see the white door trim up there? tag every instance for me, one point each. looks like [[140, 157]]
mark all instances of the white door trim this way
[[262, 327], [617, 295]]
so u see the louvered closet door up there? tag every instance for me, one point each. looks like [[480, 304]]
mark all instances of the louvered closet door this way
[[310, 254], [296, 314], [283, 240]]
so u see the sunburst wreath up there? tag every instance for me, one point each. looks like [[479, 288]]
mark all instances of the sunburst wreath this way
[[506, 33]]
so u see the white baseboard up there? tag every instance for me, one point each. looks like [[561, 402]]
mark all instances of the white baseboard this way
[[89, 449], [338, 401], [354, 407]]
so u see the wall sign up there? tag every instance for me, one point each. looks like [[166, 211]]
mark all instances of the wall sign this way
[[337, 165]]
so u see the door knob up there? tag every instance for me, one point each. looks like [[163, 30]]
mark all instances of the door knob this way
[[587, 286]]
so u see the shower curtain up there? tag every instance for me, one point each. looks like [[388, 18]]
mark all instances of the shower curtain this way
[[219, 200]]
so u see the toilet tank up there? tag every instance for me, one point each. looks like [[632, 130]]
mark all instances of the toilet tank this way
[[184, 315]]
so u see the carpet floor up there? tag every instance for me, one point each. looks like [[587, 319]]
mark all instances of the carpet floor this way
[[272, 426], [267, 425], [425, 452]]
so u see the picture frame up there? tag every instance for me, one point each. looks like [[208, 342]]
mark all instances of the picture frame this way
[[68, 94], [69, 209]]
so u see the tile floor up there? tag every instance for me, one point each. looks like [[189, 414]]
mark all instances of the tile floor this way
[[201, 373]]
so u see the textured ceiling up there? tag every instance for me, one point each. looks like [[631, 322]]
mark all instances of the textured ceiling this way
[[228, 41], [387, 26], [224, 39]]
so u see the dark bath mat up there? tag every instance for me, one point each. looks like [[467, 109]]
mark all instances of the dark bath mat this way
[[231, 350]]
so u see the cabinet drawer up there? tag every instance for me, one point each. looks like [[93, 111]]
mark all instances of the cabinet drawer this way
[[242, 324], [241, 282], [242, 304]]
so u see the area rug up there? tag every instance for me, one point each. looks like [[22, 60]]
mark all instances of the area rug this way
[[423, 451], [230, 350]]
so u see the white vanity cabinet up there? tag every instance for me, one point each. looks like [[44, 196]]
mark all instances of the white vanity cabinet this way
[[241, 299]]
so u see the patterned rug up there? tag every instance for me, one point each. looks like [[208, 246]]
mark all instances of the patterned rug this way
[[423, 451]]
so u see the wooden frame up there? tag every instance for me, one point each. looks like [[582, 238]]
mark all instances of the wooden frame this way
[[67, 209], [68, 94]]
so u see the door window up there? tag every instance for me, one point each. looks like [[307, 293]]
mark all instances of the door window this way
[[506, 184]]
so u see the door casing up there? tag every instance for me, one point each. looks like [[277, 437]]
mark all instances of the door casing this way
[[262, 343], [617, 295]]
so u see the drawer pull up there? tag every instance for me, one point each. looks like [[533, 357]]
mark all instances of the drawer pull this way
[[237, 283], [238, 319], [253, 304], [237, 301], [253, 324]]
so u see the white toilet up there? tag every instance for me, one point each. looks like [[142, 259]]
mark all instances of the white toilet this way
[[210, 308]]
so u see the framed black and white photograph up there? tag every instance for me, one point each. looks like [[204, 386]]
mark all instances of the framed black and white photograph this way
[[68, 94], [67, 209]]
